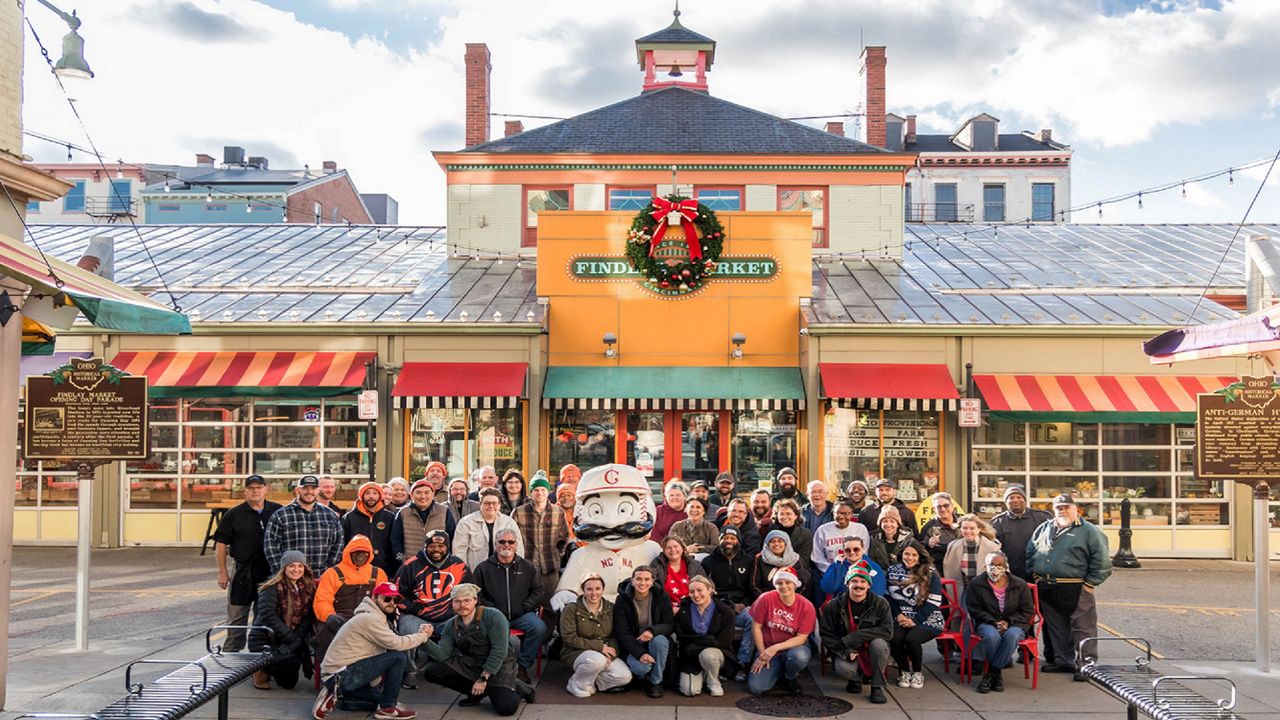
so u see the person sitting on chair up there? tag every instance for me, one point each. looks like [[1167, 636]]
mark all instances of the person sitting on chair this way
[[1001, 607], [855, 627]]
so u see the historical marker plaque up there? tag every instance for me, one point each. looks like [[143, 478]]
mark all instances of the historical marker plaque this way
[[86, 410], [1238, 432]]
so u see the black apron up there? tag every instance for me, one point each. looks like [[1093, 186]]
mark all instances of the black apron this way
[[345, 601], [472, 650], [244, 583]]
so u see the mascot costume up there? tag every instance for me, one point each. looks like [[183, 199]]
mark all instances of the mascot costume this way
[[613, 516]]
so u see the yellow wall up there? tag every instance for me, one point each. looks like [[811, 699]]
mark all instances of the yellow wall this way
[[692, 330]]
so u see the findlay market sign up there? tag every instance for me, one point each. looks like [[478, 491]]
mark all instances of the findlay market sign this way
[[730, 268]]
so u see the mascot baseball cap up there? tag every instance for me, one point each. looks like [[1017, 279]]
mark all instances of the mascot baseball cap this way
[[612, 478]]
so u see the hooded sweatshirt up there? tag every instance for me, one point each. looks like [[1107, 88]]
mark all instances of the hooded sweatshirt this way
[[365, 635], [767, 563], [425, 585], [375, 525], [346, 573]]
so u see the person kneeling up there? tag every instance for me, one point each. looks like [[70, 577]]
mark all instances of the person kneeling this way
[[474, 657], [781, 622], [588, 646], [366, 662], [1001, 607], [643, 623], [855, 627], [704, 634]]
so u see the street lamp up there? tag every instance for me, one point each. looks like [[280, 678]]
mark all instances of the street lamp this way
[[71, 66]]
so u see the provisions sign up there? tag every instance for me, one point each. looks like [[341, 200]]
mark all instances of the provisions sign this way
[[86, 410], [1238, 432]]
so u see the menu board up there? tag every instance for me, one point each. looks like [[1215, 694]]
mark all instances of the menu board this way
[[86, 410], [1238, 432]]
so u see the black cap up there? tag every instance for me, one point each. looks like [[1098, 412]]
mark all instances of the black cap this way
[[441, 534], [886, 481], [308, 481], [255, 480], [730, 530], [699, 484], [724, 477]]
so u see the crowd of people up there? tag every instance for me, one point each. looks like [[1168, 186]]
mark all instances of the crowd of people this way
[[451, 582]]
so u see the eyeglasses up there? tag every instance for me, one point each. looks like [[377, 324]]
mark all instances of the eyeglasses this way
[[943, 505], [506, 542]]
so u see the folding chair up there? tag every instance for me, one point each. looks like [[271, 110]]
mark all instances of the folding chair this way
[[955, 616], [1029, 647]]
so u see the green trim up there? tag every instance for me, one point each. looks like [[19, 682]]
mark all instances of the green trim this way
[[218, 391], [1095, 417], [698, 383], [44, 347], [666, 167]]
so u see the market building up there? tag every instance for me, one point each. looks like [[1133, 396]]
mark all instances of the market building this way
[[829, 335]]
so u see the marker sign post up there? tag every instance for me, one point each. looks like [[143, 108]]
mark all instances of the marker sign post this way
[[1238, 439], [90, 413]]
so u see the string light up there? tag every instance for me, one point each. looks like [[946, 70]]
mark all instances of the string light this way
[[1139, 199], [119, 169], [1184, 191], [208, 197], [1231, 178]]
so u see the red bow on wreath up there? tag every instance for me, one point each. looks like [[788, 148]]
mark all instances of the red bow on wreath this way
[[685, 211]]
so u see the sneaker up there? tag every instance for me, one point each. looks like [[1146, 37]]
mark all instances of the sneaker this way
[[325, 702], [917, 680], [714, 687], [877, 696], [904, 679], [399, 712], [984, 685], [576, 691]]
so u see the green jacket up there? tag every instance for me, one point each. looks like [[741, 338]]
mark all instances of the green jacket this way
[[1080, 553], [581, 631], [495, 628]]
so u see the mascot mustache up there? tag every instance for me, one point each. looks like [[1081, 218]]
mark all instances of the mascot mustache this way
[[632, 530]]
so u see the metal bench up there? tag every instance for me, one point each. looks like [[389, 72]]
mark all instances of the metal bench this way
[[181, 691], [1158, 696]]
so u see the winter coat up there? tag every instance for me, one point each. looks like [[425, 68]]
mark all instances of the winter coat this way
[[748, 535], [376, 526], [836, 624], [663, 518], [705, 534], [1079, 553], [1014, 532], [731, 576], [886, 551], [581, 631], [286, 642], [812, 519], [626, 623], [471, 538], [425, 586], [832, 582], [1019, 607], [955, 553], [946, 535], [346, 573], [762, 575], [692, 568], [473, 649], [513, 589], [365, 635], [801, 541], [409, 533], [719, 634]]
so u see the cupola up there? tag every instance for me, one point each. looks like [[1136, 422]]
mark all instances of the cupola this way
[[675, 56]]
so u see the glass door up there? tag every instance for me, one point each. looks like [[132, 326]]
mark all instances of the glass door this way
[[699, 446], [646, 446]]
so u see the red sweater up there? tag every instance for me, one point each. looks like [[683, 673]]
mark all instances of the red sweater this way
[[663, 519]]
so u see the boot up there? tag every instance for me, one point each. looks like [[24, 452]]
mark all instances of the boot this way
[[997, 680], [877, 696], [262, 680], [854, 686], [986, 683]]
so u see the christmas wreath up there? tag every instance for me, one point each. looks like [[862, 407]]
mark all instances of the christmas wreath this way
[[704, 236]]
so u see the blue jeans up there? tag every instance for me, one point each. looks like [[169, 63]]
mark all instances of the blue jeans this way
[[747, 650], [535, 633], [659, 646], [996, 648], [788, 664], [352, 684]]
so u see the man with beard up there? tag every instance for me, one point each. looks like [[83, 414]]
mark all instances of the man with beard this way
[[738, 516], [700, 490], [329, 488], [513, 586], [786, 485], [1014, 527], [435, 474], [887, 494], [304, 526], [425, 582], [729, 567], [762, 510], [399, 493], [855, 628], [370, 519], [1069, 559], [725, 485], [417, 519], [458, 503], [856, 493], [484, 477], [543, 530]]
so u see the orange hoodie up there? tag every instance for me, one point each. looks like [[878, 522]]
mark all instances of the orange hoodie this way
[[346, 573]]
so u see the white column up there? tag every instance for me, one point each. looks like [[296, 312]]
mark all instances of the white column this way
[[10, 358]]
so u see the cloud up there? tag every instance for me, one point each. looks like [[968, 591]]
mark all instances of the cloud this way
[[445, 135], [190, 21]]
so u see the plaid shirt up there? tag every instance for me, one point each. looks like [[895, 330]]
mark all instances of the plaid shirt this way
[[316, 534], [545, 534]]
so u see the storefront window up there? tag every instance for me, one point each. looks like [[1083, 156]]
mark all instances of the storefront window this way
[[647, 445], [764, 442], [1152, 465], [580, 437], [202, 449], [465, 439], [497, 438], [903, 445]]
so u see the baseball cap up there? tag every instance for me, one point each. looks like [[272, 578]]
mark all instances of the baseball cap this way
[[387, 589], [1063, 499], [255, 480], [308, 481], [699, 484], [886, 481]]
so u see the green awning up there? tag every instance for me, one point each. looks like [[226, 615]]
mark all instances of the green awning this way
[[674, 388], [1158, 418]]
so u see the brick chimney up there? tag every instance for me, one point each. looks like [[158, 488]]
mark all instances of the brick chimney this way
[[835, 128], [203, 160], [1046, 135], [911, 128], [477, 61], [873, 62], [513, 127], [330, 167]]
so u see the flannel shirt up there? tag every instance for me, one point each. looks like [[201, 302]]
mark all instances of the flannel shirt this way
[[545, 535], [316, 534]]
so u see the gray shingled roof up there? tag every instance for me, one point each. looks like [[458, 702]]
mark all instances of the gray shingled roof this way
[[675, 33], [1011, 142], [950, 274], [674, 121]]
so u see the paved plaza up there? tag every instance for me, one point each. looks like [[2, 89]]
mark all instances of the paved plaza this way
[[157, 603]]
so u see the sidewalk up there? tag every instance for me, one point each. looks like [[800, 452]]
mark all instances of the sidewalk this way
[[139, 610]]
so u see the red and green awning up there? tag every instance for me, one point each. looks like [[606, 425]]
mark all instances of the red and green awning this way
[[1097, 398], [247, 374]]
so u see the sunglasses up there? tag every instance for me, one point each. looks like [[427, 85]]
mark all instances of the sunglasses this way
[[506, 542]]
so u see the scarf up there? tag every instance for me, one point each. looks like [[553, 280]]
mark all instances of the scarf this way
[[295, 598], [788, 558], [702, 618]]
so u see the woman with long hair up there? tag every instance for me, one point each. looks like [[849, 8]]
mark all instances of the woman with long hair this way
[[673, 569], [966, 554], [514, 491], [915, 599], [284, 605]]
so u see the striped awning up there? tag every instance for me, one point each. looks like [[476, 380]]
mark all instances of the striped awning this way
[[673, 388], [460, 385], [1161, 397], [256, 374], [889, 386]]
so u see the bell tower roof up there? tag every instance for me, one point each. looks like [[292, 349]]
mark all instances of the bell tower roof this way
[[672, 51]]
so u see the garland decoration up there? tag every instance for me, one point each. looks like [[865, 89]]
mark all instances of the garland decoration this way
[[704, 236]]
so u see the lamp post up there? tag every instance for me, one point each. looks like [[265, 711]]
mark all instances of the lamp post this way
[[71, 68]]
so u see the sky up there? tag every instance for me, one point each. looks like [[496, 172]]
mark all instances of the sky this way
[[1146, 92]]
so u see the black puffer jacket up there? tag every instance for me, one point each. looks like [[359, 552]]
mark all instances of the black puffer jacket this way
[[980, 601], [718, 635], [626, 622], [287, 643]]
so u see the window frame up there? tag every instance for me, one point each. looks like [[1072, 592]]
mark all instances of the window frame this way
[[529, 233], [119, 202], [1053, 201], [954, 202], [826, 209], [740, 189], [1004, 195], [608, 192], [79, 189]]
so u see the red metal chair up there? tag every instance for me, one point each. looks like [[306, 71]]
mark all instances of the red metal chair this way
[[1029, 647], [954, 613], [520, 634]]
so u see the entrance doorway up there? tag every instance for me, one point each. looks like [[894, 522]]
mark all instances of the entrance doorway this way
[[666, 444]]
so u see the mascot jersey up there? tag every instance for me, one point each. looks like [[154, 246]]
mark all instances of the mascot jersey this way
[[613, 516]]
